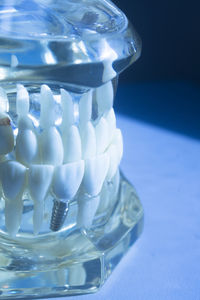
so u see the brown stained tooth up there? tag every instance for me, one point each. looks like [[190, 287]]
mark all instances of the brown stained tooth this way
[[5, 122]]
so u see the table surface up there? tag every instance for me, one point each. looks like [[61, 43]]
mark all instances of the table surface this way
[[164, 263]]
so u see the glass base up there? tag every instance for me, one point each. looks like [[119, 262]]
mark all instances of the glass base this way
[[73, 263]]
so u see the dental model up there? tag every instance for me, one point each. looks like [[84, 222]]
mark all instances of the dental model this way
[[62, 159]]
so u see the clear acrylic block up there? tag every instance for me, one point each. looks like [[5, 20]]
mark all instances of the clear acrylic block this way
[[67, 214]]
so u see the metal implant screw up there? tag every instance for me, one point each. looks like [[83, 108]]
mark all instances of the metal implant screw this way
[[59, 214]]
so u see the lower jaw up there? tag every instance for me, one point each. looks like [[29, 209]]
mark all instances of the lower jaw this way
[[71, 261]]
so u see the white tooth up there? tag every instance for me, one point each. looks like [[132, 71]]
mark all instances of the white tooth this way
[[77, 275], [39, 181], [85, 108], [22, 101], [118, 141], [26, 147], [114, 156], [86, 211], [109, 194], [95, 173], [47, 112], [25, 123], [13, 178], [111, 120], [13, 215], [14, 61], [68, 110], [102, 135], [72, 145], [104, 97], [67, 179], [51, 147], [6, 134], [4, 104], [88, 140]]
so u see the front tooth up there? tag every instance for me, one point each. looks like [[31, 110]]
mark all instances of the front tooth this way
[[26, 146], [95, 173], [67, 179], [68, 110], [39, 180], [6, 134], [86, 211], [111, 121], [4, 103], [51, 147], [88, 140], [72, 145], [104, 96], [13, 178], [47, 112], [102, 135], [85, 108], [22, 101]]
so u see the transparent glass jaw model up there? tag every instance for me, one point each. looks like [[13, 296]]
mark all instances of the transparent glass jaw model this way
[[67, 214]]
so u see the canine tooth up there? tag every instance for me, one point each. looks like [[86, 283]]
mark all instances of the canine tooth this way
[[47, 113], [39, 180], [26, 146], [88, 141], [68, 110], [13, 178], [72, 145], [51, 147], [6, 134], [22, 101], [85, 108], [4, 104], [95, 173], [67, 179], [86, 211], [102, 135], [104, 97], [111, 120]]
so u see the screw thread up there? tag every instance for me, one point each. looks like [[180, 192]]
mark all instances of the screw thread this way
[[59, 213]]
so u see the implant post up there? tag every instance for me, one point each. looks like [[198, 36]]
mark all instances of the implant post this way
[[59, 214]]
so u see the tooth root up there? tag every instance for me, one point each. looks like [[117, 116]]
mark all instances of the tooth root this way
[[111, 121], [4, 103], [6, 134], [87, 209], [13, 178], [72, 145], [102, 135], [68, 110], [104, 97], [26, 147], [47, 113], [85, 108], [39, 181], [67, 179], [88, 141], [22, 101], [95, 173], [13, 215], [51, 147]]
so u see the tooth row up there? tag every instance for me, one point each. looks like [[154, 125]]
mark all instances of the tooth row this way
[[58, 160]]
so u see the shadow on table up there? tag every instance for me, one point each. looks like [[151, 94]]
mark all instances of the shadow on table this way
[[172, 105]]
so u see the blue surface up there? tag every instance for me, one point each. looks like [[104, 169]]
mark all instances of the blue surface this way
[[164, 263]]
